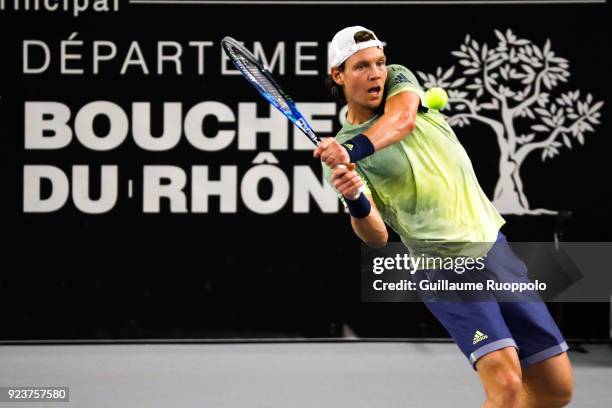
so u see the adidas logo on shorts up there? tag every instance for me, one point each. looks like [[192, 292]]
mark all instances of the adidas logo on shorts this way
[[479, 336]]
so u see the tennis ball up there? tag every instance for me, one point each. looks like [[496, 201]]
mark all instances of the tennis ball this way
[[436, 98]]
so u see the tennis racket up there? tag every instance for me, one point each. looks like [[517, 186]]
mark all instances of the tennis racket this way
[[261, 78]]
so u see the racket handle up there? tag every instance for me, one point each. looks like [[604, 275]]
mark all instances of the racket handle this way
[[351, 167]]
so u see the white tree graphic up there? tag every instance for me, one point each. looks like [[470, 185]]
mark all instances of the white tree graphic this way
[[507, 88]]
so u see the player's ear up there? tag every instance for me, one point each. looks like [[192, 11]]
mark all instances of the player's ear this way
[[337, 76]]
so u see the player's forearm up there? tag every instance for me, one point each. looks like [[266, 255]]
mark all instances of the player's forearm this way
[[394, 125], [371, 229], [391, 128]]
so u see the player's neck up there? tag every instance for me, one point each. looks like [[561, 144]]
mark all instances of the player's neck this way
[[357, 115]]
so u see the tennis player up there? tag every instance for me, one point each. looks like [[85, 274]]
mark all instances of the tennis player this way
[[419, 180]]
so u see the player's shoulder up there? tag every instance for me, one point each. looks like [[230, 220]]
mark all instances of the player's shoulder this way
[[400, 78], [397, 68], [398, 74]]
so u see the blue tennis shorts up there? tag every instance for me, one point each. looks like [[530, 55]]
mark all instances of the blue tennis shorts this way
[[481, 327]]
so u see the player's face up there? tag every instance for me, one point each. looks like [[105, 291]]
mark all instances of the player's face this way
[[364, 77]]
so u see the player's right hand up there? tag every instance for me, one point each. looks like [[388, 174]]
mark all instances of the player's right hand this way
[[347, 181], [331, 152]]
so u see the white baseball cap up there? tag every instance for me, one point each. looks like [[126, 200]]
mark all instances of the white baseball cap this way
[[343, 45]]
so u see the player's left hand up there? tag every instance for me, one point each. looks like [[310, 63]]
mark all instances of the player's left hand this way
[[347, 181], [331, 152]]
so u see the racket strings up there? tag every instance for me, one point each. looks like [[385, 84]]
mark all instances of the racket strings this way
[[254, 74], [262, 80]]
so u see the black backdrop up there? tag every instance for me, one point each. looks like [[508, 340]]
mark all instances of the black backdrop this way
[[130, 274]]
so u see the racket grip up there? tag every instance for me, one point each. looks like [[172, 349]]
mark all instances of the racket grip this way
[[351, 167]]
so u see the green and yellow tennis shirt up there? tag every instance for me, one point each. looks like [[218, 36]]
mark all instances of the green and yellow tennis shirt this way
[[424, 186]]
